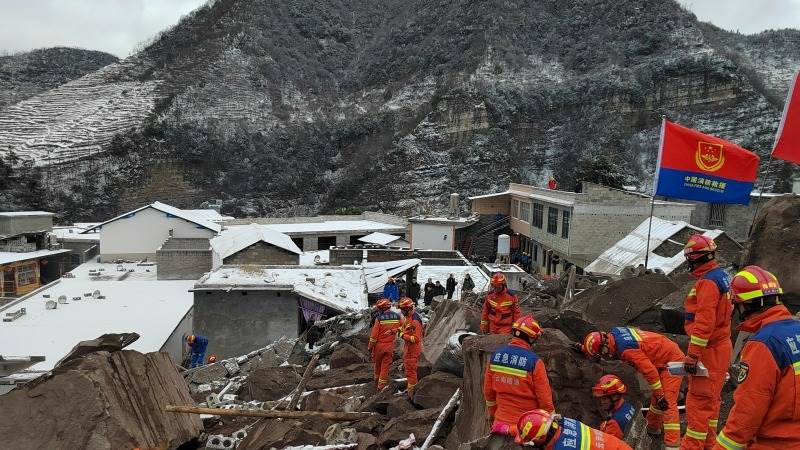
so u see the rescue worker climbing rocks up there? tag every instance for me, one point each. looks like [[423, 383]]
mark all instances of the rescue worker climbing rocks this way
[[516, 380], [381, 341], [617, 413], [500, 308], [545, 430], [411, 331], [766, 404], [649, 353], [198, 346], [708, 325]]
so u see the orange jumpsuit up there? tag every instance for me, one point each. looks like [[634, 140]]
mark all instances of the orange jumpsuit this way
[[381, 344], [649, 353], [500, 311], [516, 382], [411, 333], [620, 421], [766, 409], [708, 324], [574, 435]]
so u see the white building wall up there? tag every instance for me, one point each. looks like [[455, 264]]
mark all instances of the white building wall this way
[[428, 236], [139, 236]]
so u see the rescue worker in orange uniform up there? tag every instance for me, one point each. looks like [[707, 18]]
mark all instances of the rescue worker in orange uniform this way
[[617, 413], [545, 430], [649, 353], [381, 341], [708, 325], [500, 308], [411, 331], [516, 379], [766, 409]]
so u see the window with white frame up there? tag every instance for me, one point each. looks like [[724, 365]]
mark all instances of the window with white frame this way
[[515, 209], [525, 211]]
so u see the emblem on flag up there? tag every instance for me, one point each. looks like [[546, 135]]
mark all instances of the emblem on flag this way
[[709, 157]]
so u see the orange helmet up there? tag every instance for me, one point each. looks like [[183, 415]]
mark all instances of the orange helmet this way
[[383, 304], [753, 283], [498, 279], [698, 246], [526, 327], [535, 426], [190, 339], [405, 303], [609, 385], [212, 359], [593, 344]]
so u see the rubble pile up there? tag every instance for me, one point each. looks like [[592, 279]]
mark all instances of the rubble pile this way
[[775, 244]]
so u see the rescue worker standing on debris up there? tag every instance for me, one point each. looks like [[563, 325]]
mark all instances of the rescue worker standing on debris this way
[[500, 308], [617, 413], [545, 430], [198, 345], [516, 379], [766, 409], [708, 325], [381, 341], [411, 331], [649, 353]]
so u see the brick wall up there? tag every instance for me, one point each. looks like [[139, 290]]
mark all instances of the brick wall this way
[[262, 253], [178, 264]]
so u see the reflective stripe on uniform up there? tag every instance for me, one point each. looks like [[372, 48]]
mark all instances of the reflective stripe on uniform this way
[[488, 403], [672, 426], [796, 367], [728, 443], [586, 437], [713, 423], [656, 385], [696, 434], [508, 370], [698, 341], [654, 409]]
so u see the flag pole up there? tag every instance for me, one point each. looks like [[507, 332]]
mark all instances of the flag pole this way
[[760, 194], [655, 189]]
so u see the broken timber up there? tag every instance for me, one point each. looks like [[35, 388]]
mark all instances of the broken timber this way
[[303, 381], [448, 408], [338, 416]]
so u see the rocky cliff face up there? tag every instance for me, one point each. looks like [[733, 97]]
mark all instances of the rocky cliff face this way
[[329, 105]]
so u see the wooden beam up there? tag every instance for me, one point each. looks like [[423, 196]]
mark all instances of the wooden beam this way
[[303, 381], [337, 416]]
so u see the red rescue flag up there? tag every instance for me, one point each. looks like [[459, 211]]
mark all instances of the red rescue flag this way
[[787, 142]]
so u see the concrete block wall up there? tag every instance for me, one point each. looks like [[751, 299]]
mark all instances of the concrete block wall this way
[[262, 253], [25, 224], [182, 264], [736, 223]]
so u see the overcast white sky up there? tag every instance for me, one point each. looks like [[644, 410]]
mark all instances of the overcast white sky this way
[[116, 26]]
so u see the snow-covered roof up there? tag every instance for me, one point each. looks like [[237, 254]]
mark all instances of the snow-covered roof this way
[[25, 213], [630, 250], [146, 306], [171, 210], [335, 226], [381, 239], [378, 273], [11, 257], [506, 268], [441, 273], [235, 239], [341, 288], [210, 214], [535, 196], [75, 232], [496, 194], [310, 258]]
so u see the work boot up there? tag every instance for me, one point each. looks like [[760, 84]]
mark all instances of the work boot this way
[[654, 432]]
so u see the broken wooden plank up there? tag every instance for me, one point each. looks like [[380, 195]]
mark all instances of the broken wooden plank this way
[[448, 408], [331, 415], [303, 381]]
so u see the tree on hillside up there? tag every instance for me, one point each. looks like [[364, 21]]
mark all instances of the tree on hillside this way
[[602, 169]]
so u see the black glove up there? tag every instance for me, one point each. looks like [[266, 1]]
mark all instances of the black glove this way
[[576, 347], [690, 364], [662, 403]]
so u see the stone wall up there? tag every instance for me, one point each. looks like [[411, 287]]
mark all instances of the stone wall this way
[[262, 253], [238, 321]]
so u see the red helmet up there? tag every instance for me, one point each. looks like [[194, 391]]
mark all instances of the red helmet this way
[[406, 303], [593, 344], [698, 246], [498, 279], [212, 359], [753, 283], [383, 304], [190, 339], [527, 326], [534, 426], [609, 385]]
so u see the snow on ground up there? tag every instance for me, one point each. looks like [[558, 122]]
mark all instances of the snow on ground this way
[[134, 303], [9, 257], [309, 258], [440, 273], [74, 232]]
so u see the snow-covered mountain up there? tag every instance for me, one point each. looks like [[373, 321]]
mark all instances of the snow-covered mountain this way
[[330, 105]]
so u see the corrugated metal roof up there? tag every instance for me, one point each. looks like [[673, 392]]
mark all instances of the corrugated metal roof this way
[[378, 273], [630, 250]]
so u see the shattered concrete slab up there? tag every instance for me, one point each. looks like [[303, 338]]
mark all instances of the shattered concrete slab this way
[[101, 401]]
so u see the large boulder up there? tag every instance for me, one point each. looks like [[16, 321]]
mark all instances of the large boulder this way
[[101, 401], [322, 401], [774, 243], [436, 389], [267, 383], [448, 317], [345, 355], [278, 433], [110, 342], [345, 376]]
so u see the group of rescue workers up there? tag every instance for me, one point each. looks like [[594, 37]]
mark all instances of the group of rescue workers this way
[[766, 411]]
